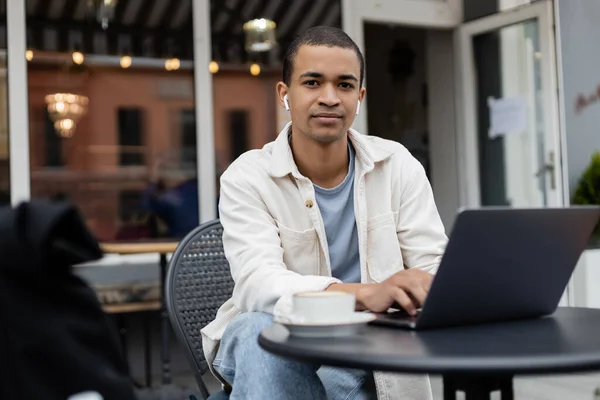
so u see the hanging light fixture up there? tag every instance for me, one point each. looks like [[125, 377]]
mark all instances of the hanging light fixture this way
[[65, 110], [260, 35], [104, 10]]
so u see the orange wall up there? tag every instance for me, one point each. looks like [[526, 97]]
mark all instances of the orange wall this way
[[92, 176], [257, 95]]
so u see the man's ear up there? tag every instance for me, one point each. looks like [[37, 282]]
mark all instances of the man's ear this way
[[282, 91], [361, 95]]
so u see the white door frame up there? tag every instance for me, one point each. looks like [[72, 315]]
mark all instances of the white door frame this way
[[18, 103], [439, 18], [203, 94], [443, 14], [467, 89]]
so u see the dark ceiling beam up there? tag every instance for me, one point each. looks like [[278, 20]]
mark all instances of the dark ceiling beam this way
[[226, 41], [143, 16], [120, 12], [63, 33], [295, 24], [41, 11], [235, 17], [168, 46], [187, 28], [328, 10], [40, 24], [138, 25], [281, 10], [68, 8], [42, 8], [112, 34], [217, 7], [257, 11], [169, 13], [260, 11]]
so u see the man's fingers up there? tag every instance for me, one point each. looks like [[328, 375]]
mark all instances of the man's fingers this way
[[419, 293], [405, 302]]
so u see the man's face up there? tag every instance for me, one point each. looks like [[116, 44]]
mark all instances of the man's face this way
[[324, 92]]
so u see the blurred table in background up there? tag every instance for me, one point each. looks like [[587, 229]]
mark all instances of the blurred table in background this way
[[161, 247]]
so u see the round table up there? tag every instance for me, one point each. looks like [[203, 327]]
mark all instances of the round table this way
[[475, 359]]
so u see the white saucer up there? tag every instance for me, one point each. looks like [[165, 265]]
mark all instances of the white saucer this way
[[337, 329]]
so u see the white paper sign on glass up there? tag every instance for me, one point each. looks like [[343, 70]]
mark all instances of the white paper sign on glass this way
[[507, 115]]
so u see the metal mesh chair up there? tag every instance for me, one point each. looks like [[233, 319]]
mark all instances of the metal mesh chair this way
[[197, 283]]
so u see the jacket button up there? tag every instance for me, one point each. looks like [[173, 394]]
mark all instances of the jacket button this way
[[309, 203]]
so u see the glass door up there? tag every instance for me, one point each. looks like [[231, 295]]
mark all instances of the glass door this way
[[511, 144]]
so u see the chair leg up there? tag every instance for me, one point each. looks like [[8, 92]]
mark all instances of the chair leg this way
[[147, 350], [506, 389], [123, 338], [202, 386]]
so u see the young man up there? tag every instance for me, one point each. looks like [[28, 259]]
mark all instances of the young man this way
[[321, 208]]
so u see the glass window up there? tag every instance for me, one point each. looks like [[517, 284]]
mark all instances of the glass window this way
[[103, 87]]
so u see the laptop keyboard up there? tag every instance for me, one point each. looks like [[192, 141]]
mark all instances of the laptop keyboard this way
[[402, 314]]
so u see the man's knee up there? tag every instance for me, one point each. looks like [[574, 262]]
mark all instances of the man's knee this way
[[248, 324]]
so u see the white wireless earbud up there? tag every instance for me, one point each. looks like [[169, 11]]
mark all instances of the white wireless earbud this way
[[286, 102], [358, 107]]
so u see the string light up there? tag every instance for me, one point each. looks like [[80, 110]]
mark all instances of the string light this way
[[125, 62], [172, 64], [213, 67], [255, 69], [78, 57]]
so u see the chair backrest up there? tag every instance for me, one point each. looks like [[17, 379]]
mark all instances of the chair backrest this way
[[198, 282]]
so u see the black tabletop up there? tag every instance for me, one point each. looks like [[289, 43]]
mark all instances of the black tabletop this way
[[567, 341]]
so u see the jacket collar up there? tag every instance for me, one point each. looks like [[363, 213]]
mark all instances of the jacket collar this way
[[282, 159]]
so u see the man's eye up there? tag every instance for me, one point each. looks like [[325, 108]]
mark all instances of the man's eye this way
[[346, 85], [311, 83]]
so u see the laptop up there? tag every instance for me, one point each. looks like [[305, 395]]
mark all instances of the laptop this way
[[502, 264]]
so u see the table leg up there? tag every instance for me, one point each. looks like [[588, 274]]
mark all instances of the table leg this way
[[449, 389], [477, 387], [506, 389], [166, 363]]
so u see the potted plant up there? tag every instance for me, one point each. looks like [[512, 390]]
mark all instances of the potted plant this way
[[588, 192], [586, 279]]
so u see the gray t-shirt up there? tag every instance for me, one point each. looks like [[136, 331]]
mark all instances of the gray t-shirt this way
[[337, 209]]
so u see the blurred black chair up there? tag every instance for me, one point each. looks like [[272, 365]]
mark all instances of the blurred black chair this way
[[55, 340], [198, 283]]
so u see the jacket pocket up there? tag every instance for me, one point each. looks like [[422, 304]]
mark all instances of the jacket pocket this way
[[300, 250], [384, 257]]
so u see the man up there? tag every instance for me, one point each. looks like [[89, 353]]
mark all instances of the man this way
[[321, 208]]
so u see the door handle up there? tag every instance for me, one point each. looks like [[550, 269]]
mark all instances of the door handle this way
[[549, 167]]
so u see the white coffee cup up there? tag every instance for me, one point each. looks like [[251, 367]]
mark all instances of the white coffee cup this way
[[323, 307]]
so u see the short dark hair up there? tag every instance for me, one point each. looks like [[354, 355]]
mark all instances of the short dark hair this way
[[320, 36]]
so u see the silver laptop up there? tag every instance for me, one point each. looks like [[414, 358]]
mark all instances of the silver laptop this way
[[502, 264]]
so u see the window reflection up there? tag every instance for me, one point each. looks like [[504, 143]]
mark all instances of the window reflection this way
[[130, 162]]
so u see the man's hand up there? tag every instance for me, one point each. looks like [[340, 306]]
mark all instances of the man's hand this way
[[408, 288]]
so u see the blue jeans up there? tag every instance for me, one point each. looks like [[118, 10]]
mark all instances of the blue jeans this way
[[256, 374]]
